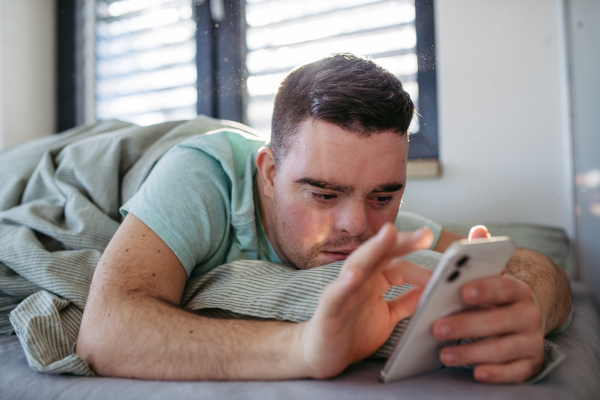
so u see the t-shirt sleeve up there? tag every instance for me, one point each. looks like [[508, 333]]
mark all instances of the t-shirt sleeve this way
[[184, 201], [407, 221]]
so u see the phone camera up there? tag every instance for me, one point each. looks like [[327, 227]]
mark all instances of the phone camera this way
[[454, 275], [462, 261]]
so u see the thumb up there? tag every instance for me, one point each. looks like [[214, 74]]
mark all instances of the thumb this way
[[479, 232]]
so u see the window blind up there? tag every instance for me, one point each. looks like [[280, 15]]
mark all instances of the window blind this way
[[145, 60], [282, 34]]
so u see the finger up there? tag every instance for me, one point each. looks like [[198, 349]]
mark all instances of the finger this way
[[499, 350], [519, 317], [404, 305], [362, 263], [372, 254], [501, 289], [399, 272], [407, 242], [339, 293], [513, 372], [479, 232], [373, 251], [384, 246]]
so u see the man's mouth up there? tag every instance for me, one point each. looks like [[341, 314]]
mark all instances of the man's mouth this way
[[341, 254]]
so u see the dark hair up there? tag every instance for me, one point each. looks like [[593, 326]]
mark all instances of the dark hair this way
[[351, 92]]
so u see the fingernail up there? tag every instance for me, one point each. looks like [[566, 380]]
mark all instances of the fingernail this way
[[483, 375], [383, 229], [443, 331], [348, 277], [448, 358], [419, 233], [473, 292]]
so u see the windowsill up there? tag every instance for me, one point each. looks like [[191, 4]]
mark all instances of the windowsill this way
[[424, 168]]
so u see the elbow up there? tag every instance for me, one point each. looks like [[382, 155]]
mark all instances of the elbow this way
[[100, 339], [108, 336], [92, 347]]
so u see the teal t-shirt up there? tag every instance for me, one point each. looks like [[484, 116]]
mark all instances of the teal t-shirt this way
[[200, 200]]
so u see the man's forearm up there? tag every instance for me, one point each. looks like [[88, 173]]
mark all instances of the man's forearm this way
[[547, 281], [150, 339]]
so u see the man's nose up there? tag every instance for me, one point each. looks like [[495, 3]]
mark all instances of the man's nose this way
[[352, 218]]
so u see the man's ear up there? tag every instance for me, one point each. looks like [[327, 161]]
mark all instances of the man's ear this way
[[265, 163]]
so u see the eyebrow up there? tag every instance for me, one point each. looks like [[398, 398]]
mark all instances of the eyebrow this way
[[325, 185], [388, 187]]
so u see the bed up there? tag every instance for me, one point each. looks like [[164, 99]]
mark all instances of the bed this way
[[37, 246]]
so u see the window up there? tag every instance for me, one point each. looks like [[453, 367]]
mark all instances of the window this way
[[281, 35], [145, 60], [160, 60]]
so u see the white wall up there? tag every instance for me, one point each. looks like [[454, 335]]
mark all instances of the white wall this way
[[501, 116], [27, 70]]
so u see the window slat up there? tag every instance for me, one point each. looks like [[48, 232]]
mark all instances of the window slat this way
[[261, 13], [355, 20]]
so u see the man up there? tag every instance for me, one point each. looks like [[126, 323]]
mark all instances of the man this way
[[328, 189]]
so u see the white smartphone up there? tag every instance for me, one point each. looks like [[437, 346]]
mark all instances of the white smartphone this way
[[418, 351]]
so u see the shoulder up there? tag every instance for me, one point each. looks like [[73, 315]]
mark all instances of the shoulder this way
[[219, 151], [222, 140]]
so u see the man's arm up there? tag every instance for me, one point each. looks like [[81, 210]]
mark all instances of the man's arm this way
[[132, 326], [548, 282], [532, 298]]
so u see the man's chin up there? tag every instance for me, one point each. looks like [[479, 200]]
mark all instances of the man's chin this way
[[325, 258]]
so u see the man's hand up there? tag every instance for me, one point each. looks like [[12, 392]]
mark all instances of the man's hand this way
[[353, 319], [509, 319]]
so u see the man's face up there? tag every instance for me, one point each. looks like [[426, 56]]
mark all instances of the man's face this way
[[334, 190]]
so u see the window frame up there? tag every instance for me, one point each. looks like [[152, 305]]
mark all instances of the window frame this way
[[425, 143], [67, 52], [220, 60]]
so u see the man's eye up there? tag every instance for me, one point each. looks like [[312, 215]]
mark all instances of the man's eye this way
[[383, 199], [323, 197]]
